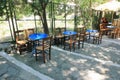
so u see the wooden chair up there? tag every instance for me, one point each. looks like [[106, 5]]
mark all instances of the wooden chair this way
[[21, 42], [115, 22], [81, 39], [70, 41], [114, 33], [103, 29], [97, 38], [62, 29], [59, 37], [27, 33], [118, 34], [82, 32], [44, 47], [118, 24]]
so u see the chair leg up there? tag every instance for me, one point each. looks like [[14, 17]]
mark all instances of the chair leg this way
[[64, 46], [82, 44], [49, 54], [74, 46], [97, 40], [78, 45], [58, 42], [70, 46], [36, 55], [62, 41], [43, 56], [93, 40], [20, 51]]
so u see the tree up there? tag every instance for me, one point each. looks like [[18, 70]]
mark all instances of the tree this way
[[85, 11], [2, 7], [39, 6]]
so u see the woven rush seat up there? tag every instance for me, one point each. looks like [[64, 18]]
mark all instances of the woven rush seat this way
[[21, 41], [46, 46]]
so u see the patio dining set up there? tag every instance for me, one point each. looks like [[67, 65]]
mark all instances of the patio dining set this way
[[68, 40], [112, 30], [40, 43]]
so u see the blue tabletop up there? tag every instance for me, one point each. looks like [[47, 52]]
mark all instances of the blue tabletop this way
[[69, 32], [37, 36], [90, 30]]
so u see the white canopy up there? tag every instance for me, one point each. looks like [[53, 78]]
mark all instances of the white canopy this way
[[109, 6]]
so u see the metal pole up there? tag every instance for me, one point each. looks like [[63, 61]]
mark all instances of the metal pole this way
[[75, 18], [16, 21], [51, 15], [35, 21], [91, 14], [65, 17], [11, 15], [9, 21]]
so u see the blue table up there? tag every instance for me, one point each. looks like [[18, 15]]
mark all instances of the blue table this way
[[91, 33], [37, 36], [69, 32], [90, 30]]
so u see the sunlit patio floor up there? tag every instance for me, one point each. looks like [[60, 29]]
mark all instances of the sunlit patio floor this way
[[93, 62]]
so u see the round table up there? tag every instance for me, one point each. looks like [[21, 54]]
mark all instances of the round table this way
[[91, 33], [90, 30], [37, 36], [69, 32]]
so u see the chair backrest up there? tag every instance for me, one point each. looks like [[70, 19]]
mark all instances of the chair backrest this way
[[81, 30], [59, 30], [73, 37], [62, 29], [102, 26], [118, 24], [80, 36], [28, 32], [100, 34], [70, 37], [116, 30], [115, 21], [47, 42], [19, 35]]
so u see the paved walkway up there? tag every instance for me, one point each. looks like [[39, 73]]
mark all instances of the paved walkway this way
[[12, 69], [94, 62], [9, 71]]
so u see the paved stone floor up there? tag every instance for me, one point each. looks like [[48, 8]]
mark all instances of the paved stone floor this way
[[9, 71], [93, 62]]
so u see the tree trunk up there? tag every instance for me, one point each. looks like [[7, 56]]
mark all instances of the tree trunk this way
[[45, 25]]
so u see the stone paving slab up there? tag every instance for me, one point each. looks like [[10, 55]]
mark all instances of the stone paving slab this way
[[66, 65], [9, 71], [93, 62], [108, 51], [105, 53], [16, 70]]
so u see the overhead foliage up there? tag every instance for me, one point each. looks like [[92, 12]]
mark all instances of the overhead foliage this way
[[39, 7], [2, 7]]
